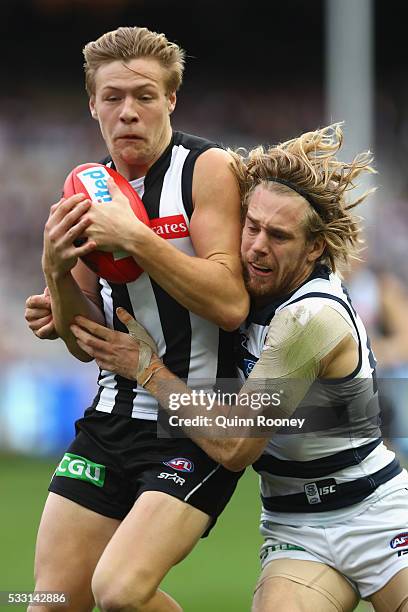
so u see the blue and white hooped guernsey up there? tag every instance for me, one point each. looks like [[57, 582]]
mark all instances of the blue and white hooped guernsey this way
[[337, 464]]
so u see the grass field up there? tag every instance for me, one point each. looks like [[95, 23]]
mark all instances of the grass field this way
[[218, 576]]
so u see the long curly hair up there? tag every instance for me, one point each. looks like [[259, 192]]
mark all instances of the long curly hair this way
[[309, 163]]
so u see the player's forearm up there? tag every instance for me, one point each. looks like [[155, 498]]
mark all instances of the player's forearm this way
[[67, 301], [232, 452], [211, 288]]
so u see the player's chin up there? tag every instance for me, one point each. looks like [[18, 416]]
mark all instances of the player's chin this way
[[134, 153], [258, 287]]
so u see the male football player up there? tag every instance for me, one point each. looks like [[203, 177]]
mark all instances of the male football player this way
[[335, 499], [112, 527]]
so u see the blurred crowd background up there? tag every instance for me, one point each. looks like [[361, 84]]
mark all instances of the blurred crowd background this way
[[255, 74]]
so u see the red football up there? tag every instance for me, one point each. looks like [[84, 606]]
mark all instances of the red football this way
[[91, 179]]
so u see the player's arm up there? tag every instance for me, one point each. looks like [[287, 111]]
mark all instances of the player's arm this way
[[210, 284], [72, 287], [302, 344]]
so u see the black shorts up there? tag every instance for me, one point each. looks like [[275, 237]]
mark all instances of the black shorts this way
[[114, 459]]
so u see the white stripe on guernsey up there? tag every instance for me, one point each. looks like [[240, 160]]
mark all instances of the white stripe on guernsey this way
[[204, 353], [107, 381], [204, 335], [284, 485], [256, 336], [108, 384], [138, 186], [171, 202], [313, 445], [107, 302], [171, 199], [144, 306], [200, 484]]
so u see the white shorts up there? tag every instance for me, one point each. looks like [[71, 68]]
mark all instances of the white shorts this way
[[368, 549]]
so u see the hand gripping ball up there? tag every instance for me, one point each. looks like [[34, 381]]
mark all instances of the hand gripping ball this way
[[91, 179]]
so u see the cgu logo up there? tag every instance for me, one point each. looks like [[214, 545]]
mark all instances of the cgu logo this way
[[174, 226], [180, 464], [400, 540], [74, 466], [94, 181]]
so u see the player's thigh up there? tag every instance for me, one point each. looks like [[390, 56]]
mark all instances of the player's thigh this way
[[293, 585], [393, 596], [70, 541], [158, 532]]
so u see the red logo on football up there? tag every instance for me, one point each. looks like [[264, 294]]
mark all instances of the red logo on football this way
[[91, 179]]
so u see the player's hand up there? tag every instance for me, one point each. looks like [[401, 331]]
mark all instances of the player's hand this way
[[65, 224], [39, 316], [114, 226], [115, 351]]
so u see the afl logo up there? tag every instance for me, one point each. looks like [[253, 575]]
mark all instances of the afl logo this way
[[180, 464], [400, 540]]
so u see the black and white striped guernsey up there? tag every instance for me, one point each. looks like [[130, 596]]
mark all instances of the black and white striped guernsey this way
[[338, 460], [191, 347]]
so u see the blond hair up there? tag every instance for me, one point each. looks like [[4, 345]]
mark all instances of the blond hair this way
[[309, 164], [127, 43]]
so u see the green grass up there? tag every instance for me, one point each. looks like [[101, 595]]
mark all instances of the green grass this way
[[218, 576]]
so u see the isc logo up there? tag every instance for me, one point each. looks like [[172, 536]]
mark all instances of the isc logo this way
[[315, 491], [180, 464], [327, 490], [94, 181]]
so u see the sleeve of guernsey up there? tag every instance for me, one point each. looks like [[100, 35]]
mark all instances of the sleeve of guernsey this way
[[299, 337]]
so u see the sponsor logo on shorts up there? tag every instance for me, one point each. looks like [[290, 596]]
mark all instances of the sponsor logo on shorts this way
[[177, 479], [174, 226], [316, 491], [267, 550], [400, 540], [181, 464], [400, 553], [279, 547], [74, 466]]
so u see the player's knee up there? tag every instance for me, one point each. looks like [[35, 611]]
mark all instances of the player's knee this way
[[113, 600], [117, 595]]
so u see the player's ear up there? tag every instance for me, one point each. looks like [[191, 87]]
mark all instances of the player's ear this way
[[171, 102], [92, 107], [316, 248]]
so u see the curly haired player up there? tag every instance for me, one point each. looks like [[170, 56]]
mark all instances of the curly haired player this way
[[334, 498]]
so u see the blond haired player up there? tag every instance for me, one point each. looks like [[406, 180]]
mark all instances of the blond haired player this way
[[335, 499], [113, 525]]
